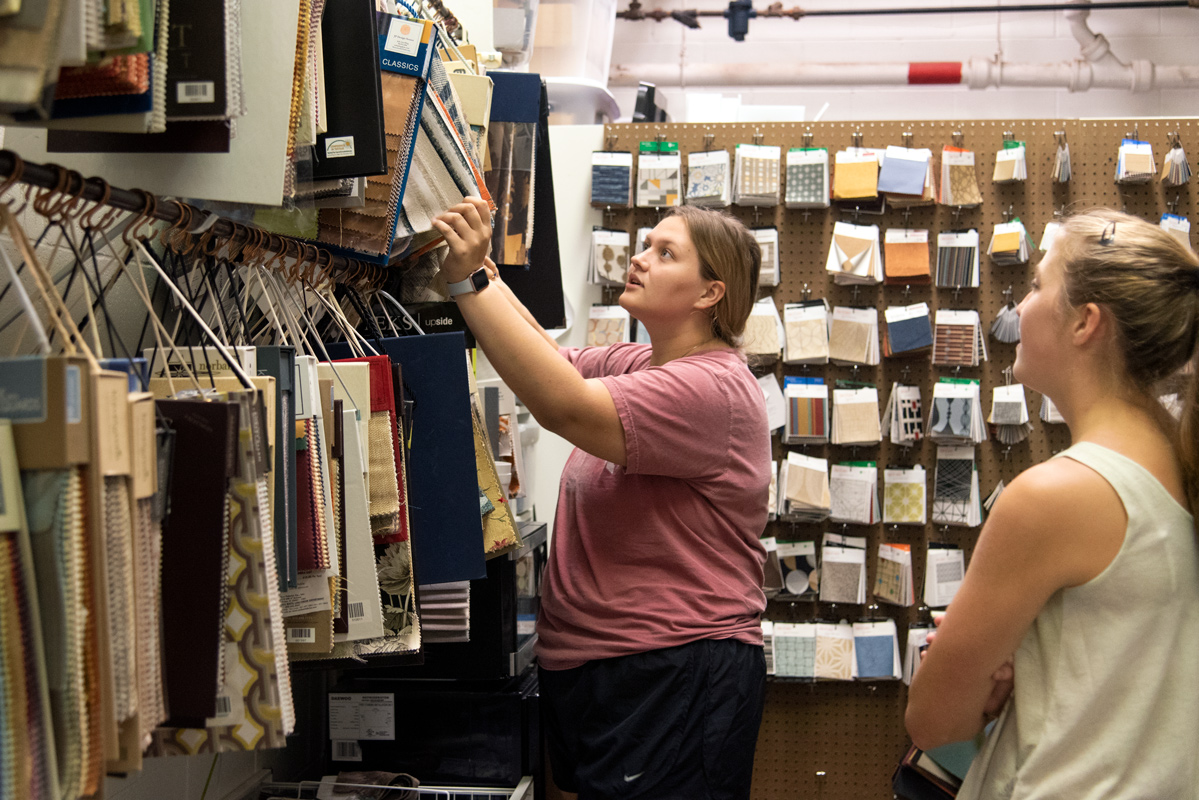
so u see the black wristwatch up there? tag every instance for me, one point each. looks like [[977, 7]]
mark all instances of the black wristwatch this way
[[473, 283]]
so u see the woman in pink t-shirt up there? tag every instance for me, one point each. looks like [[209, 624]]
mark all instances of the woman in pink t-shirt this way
[[649, 638]]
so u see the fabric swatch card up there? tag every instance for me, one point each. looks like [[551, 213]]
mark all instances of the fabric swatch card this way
[[909, 329], [855, 176], [876, 647], [768, 644], [893, 577], [843, 569], [834, 651], [805, 327], [1009, 414], [853, 337], [855, 416], [854, 493], [772, 573], [958, 339], [906, 256], [917, 636], [1011, 165], [708, 179], [805, 485], [642, 238], [956, 416], [904, 495], [946, 567], [807, 413], [957, 260], [1176, 171], [768, 240], [807, 178], [904, 170], [795, 649], [756, 175], [956, 499], [1177, 226], [612, 179], [903, 419], [959, 184], [854, 256], [763, 331], [1134, 163], [658, 180], [776, 404], [801, 576], [609, 258], [1049, 412], [607, 325]]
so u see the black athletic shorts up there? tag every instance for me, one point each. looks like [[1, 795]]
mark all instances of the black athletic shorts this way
[[673, 724]]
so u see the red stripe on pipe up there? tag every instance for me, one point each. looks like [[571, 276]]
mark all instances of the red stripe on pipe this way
[[935, 72]]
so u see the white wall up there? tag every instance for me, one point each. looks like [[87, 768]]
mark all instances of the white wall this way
[[1166, 36]]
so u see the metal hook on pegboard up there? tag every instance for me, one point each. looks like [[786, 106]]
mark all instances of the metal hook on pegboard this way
[[820, 776], [807, 138], [904, 373], [610, 141], [757, 216], [608, 214], [709, 140], [856, 289], [857, 138], [907, 213], [958, 139], [758, 137], [807, 291], [907, 139], [1007, 375], [1011, 212]]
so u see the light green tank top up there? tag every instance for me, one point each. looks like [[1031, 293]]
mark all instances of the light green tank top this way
[[1106, 699]]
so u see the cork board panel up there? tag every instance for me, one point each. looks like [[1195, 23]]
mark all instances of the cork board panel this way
[[839, 741]]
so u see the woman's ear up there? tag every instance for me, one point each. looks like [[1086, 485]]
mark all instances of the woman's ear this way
[[1089, 324], [712, 295]]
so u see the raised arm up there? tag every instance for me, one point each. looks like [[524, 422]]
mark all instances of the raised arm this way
[[497, 282], [577, 409]]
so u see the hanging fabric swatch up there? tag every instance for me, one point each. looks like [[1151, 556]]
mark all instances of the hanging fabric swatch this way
[[855, 175], [776, 404], [1010, 163], [1177, 226], [807, 178], [768, 240], [853, 336], [801, 577], [1049, 412], [768, 642], [904, 496], [893, 575], [904, 175], [642, 238], [1175, 169], [843, 569], [958, 339], [1010, 244], [946, 567], [957, 260], [959, 185], [917, 637], [876, 648], [607, 325], [854, 256], [756, 175], [1009, 414], [609, 265], [805, 327], [807, 412], [794, 649], [659, 175], [909, 330], [1006, 327], [611, 179], [763, 331], [956, 416], [854, 494], [805, 488], [708, 180], [902, 418], [1134, 162], [1051, 229], [1061, 160], [27, 60], [834, 651], [855, 416], [906, 256], [956, 498], [512, 147]]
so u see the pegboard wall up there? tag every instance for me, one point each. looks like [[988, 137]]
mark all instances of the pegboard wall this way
[[853, 733]]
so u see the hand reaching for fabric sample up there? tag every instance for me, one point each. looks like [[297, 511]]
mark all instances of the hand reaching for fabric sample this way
[[467, 230]]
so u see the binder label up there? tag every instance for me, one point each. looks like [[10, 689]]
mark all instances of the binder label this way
[[339, 147]]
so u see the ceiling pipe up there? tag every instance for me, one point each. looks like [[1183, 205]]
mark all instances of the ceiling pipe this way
[[1097, 68]]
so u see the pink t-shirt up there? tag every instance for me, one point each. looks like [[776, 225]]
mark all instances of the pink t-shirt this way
[[666, 550]]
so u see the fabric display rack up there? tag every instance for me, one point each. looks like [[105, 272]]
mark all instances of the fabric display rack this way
[[838, 740]]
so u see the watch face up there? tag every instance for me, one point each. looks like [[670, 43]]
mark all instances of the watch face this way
[[479, 279]]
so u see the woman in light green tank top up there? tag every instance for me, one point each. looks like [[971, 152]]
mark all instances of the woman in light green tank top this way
[[1077, 624]]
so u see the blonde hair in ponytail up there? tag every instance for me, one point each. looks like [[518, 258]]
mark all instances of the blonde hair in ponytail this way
[[1149, 282]]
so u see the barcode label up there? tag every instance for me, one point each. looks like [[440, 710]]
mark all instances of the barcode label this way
[[195, 92], [357, 611], [224, 706], [346, 751], [301, 635]]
